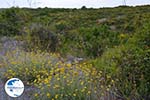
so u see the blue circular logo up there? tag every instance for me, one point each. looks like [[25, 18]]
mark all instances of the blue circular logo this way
[[14, 87]]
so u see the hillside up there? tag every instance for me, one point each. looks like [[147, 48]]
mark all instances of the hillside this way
[[100, 54]]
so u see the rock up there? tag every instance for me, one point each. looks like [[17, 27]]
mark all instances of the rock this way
[[72, 59], [101, 20], [8, 44], [120, 17], [113, 27]]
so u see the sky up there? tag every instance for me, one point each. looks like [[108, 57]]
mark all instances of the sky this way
[[70, 3]]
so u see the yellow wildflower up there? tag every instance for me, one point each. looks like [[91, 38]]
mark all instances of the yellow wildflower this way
[[64, 77], [74, 95], [35, 94], [112, 81], [56, 96], [68, 65], [89, 92], [58, 79], [82, 83], [48, 95]]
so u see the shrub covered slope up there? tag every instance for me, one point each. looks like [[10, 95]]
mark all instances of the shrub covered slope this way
[[113, 44]]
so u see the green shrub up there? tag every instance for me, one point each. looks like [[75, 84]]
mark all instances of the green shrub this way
[[129, 64], [12, 21], [38, 36]]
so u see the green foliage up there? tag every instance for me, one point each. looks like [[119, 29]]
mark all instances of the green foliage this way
[[62, 26], [129, 64], [90, 42], [116, 41], [38, 36], [12, 21]]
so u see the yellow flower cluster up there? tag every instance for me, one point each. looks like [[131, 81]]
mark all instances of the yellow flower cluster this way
[[58, 80]]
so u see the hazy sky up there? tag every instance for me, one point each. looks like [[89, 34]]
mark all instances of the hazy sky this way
[[70, 3]]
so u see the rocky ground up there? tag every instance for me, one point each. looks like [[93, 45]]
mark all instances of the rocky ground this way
[[8, 45]]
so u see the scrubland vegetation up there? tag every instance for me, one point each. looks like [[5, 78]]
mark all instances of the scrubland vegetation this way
[[78, 54]]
